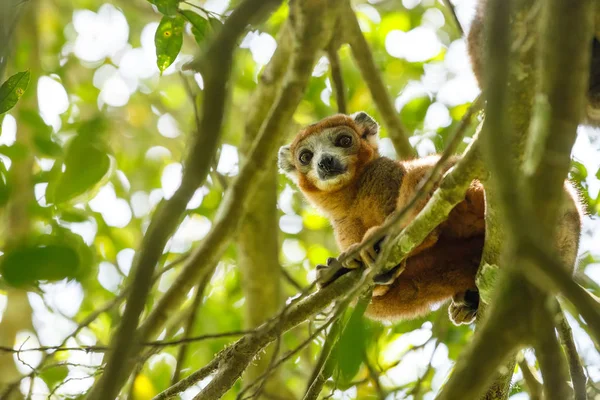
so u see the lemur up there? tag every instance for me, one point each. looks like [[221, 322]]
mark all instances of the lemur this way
[[336, 164], [475, 42]]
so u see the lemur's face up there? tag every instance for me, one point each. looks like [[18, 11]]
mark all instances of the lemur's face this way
[[328, 155]]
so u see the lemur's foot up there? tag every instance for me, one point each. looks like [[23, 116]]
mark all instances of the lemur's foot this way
[[330, 272], [463, 308]]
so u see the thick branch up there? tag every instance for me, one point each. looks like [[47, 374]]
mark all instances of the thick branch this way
[[216, 75], [370, 73], [258, 246], [563, 80]]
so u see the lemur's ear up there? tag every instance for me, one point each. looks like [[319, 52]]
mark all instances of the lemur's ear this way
[[285, 163], [370, 128]]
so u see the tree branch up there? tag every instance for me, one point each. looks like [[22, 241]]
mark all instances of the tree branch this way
[[216, 74], [189, 326], [232, 361], [337, 79], [326, 362], [258, 253], [370, 73], [533, 382], [231, 209], [578, 376], [551, 357]]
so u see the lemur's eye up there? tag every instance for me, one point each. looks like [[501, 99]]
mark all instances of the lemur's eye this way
[[305, 157], [344, 141]]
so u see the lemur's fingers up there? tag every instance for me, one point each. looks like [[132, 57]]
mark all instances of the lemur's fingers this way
[[330, 272], [370, 253], [379, 244], [351, 262], [380, 290], [387, 278]]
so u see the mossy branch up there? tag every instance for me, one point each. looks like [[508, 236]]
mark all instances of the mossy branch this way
[[216, 74]]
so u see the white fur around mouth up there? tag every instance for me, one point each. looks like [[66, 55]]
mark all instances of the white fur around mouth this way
[[335, 182]]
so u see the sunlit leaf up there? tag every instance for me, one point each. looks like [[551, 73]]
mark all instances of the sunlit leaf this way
[[42, 133], [167, 7], [143, 388], [413, 112], [200, 25], [161, 370], [351, 345], [168, 41], [86, 167], [12, 90], [16, 151], [47, 147], [54, 374], [314, 221], [74, 215], [4, 187], [33, 263]]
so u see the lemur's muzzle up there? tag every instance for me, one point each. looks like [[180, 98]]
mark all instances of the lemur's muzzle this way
[[329, 167]]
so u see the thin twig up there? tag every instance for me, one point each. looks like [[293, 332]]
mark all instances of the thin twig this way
[[450, 6], [370, 73], [337, 78], [532, 380], [578, 376], [189, 326]]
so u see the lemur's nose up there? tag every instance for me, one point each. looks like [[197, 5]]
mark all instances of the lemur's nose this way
[[327, 163]]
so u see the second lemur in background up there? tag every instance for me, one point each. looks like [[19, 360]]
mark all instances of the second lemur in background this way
[[475, 43]]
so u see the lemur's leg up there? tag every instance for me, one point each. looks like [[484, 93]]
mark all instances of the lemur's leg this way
[[430, 277]]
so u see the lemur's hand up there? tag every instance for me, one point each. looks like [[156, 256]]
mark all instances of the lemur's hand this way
[[366, 256], [330, 272]]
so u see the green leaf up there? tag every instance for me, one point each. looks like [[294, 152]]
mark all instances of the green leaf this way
[[16, 151], [74, 215], [161, 370], [4, 187], [413, 112], [598, 173], [86, 167], [200, 25], [54, 374], [168, 41], [42, 262], [167, 7], [12, 90], [351, 346], [47, 147]]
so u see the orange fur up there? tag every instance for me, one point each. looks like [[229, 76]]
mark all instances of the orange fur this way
[[443, 266]]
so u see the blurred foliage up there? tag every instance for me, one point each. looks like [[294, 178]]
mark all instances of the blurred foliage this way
[[109, 121]]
